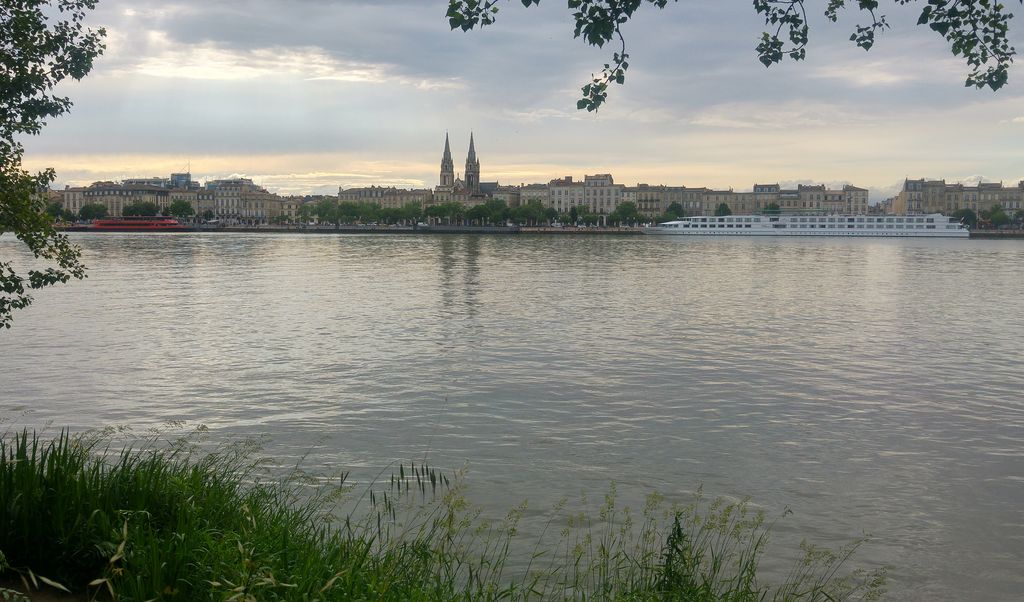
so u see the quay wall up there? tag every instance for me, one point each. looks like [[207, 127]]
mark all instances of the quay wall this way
[[1016, 233]]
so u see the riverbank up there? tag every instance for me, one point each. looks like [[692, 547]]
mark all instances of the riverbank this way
[[436, 229], [172, 523], [992, 233], [447, 229]]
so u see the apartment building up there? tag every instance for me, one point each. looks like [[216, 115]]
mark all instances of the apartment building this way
[[115, 196], [601, 194], [241, 201], [564, 194], [388, 197], [534, 192], [936, 196]]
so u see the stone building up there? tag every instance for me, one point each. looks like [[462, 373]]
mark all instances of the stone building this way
[[115, 196], [387, 197], [601, 194], [936, 196], [534, 192], [564, 194], [453, 189], [240, 201]]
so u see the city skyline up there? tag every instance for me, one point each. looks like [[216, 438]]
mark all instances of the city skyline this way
[[354, 94]]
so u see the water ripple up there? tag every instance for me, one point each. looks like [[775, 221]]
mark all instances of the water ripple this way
[[871, 386]]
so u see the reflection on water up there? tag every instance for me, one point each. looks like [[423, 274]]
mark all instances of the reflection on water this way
[[870, 385]]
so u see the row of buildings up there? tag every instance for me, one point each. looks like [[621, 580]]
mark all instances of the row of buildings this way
[[936, 196], [239, 200], [601, 195], [236, 200]]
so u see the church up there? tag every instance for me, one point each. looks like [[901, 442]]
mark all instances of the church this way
[[468, 191]]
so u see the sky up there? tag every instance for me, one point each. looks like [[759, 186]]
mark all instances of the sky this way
[[306, 96]]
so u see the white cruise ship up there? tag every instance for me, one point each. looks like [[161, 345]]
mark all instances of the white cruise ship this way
[[934, 225]]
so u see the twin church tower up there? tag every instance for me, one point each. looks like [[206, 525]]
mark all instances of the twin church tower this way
[[448, 184]]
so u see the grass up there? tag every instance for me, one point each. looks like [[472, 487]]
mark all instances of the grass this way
[[177, 524]]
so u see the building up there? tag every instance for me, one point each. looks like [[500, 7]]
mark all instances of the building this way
[[856, 200], [936, 196], [714, 198], [387, 197], [115, 196], [564, 194], [533, 192], [650, 200], [240, 201], [450, 188], [511, 195], [73, 198], [162, 192]]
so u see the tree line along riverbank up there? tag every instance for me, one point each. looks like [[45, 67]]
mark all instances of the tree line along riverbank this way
[[78, 514], [987, 233]]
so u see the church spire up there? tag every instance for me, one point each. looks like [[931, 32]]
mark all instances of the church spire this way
[[472, 168], [447, 165]]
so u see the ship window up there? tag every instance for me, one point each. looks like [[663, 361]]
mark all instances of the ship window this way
[[931, 227], [931, 220]]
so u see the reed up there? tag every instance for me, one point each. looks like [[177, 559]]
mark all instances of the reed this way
[[179, 524]]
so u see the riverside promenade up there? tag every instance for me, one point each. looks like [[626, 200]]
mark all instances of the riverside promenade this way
[[447, 229], [1005, 234], [436, 229]]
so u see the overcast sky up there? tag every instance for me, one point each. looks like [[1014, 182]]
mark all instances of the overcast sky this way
[[309, 95]]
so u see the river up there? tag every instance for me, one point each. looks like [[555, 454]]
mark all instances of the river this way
[[870, 386]]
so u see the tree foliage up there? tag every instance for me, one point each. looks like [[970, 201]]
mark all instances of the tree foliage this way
[[42, 42], [92, 211], [625, 213], [723, 209], [977, 30], [995, 216], [141, 208], [966, 216], [181, 208], [532, 213]]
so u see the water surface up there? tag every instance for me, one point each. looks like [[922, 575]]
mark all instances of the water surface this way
[[871, 386]]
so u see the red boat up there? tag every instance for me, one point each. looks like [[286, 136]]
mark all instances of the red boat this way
[[138, 224]]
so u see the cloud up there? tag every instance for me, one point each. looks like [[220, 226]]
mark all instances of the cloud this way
[[328, 93], [867, 74], [791, 115], [208, 61]]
